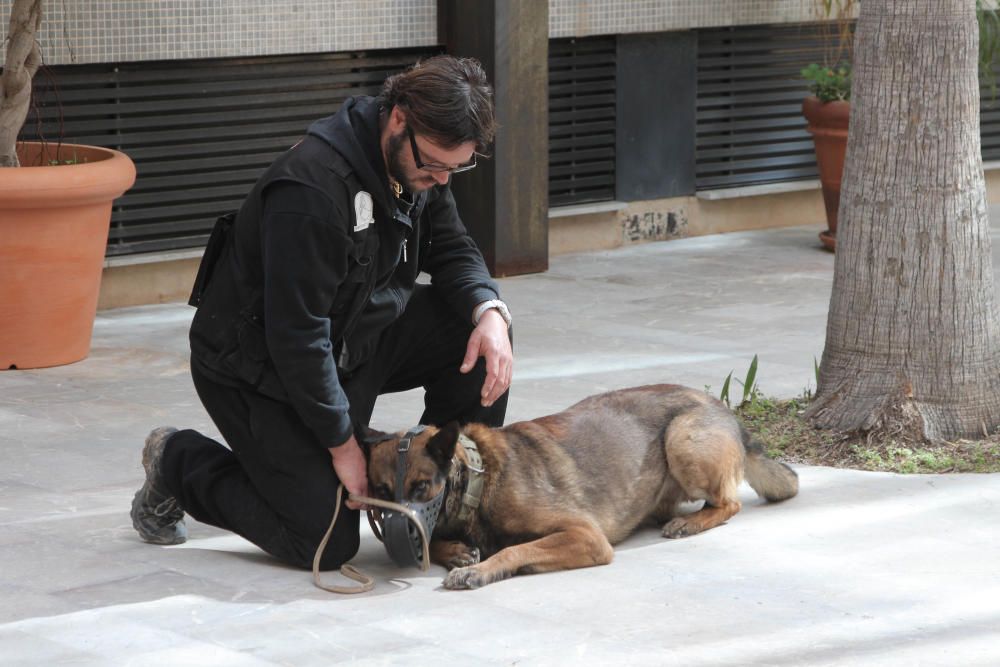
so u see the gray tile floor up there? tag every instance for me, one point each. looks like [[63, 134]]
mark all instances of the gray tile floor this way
[[861, 568]]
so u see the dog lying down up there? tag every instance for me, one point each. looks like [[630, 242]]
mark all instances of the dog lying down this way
[[556, 492]]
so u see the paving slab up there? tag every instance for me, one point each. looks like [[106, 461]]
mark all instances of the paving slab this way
[[860, 568]]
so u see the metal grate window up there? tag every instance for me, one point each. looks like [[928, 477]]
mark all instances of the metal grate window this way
[[989, 119], [200, 132], [581, 120], [750, 127]]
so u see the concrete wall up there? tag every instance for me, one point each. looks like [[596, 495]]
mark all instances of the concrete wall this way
[[108, 31], [580, 18], [133, 283], [95, 31], [682, 217]]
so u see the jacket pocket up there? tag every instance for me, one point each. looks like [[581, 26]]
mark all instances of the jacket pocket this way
[[248, 357], [353, 285], [213, 251]]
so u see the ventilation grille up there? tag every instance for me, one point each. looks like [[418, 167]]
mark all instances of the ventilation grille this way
[[581, 120], [989, 118], [200, 132], [750, 128]]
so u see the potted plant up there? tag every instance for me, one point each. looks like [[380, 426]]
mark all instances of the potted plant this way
[[827, 111], [55, 201]]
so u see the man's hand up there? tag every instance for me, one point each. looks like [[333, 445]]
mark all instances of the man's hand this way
[[489, 339], [352, 470]]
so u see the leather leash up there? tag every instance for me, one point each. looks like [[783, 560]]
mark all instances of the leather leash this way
[[366, 582]]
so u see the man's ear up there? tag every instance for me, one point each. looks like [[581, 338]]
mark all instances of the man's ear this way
[[441, 446]]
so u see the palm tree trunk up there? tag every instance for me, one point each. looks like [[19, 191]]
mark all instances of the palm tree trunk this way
[[913, 336]]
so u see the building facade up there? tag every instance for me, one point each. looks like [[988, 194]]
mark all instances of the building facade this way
[[664, 118]]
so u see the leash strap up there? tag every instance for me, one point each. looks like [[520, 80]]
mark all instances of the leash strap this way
[[366, 582], [349, 571]]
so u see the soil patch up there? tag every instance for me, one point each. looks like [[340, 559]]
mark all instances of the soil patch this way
[[780, 426]]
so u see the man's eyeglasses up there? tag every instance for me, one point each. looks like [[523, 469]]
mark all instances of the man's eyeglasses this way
[[433, 166]]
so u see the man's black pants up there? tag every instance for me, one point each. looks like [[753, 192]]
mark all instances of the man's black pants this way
[[276, 487]]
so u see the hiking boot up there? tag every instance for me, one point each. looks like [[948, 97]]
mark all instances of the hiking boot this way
[[156, 515]]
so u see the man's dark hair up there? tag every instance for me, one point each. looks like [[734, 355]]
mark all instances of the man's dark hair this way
[[446, 98]]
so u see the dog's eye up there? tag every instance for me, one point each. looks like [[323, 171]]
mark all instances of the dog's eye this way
[[420, 488], [382, 492]]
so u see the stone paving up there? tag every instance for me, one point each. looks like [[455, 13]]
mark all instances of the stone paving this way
[[860, 568]]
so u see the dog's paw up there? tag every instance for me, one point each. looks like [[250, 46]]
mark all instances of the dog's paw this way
[[679, 527], [453, 553], [465, 578], [462, 556]]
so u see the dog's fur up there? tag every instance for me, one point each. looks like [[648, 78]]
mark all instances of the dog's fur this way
[[560, 490]]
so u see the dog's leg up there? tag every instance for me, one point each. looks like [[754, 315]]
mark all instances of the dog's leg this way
[[453, 553], [715, 512], [707, 463], [579, 545]]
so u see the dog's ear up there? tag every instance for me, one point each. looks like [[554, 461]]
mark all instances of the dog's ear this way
[[368, 437], [441, 446]]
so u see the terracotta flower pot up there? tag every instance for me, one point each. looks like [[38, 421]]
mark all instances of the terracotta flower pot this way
[[828, 126], [53, 232]]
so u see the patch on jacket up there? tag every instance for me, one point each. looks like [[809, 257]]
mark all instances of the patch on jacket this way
[[362, 211]]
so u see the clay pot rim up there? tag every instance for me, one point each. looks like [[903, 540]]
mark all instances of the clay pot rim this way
[[832, 114], [106, 177]]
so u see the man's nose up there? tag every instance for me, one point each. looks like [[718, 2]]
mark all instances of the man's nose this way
[[441, 177]]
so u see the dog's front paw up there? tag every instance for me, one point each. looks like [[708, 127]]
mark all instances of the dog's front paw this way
[[465, 578], [463, 556], [679, 527], [452, 554]]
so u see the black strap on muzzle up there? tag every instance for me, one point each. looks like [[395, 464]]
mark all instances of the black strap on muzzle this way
[[402, 451], [402, 539]]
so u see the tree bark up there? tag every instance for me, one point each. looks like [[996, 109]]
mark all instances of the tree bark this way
[[21, 63], [913, 342]]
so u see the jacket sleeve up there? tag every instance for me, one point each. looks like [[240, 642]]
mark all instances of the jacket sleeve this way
[[305, 254], [455, 264]]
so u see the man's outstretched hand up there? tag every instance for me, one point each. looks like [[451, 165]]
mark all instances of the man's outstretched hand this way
[[490, 340]]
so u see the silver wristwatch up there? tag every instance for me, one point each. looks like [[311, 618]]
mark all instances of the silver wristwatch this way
[[496, 304]]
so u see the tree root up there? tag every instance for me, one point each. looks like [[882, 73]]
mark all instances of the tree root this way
[[892, 418]]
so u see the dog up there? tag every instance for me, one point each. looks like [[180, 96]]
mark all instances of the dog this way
[[557, 492]]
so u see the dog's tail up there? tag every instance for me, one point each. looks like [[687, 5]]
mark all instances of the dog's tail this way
[[771, 479]]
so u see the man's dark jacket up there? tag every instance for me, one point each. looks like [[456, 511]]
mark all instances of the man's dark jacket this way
[[302, 287]]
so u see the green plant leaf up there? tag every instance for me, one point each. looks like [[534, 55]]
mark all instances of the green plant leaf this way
[[748, 383], [724, 394], [829, 84]]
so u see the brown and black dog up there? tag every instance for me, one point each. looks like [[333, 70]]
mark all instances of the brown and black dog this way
[[560, 490]]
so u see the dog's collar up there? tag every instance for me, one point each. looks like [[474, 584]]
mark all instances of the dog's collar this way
[[472, 470]]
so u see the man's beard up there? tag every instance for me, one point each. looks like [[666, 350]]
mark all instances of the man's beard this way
[[397, 144]]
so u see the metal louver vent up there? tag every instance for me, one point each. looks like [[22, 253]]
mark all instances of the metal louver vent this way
[[200, 132], [989, 119], [750, 128], [582, 95]]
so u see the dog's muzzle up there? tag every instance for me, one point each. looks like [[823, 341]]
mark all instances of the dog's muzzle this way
[[402, 538]]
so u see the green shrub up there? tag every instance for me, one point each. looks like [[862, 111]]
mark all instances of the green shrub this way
[[829, 83]]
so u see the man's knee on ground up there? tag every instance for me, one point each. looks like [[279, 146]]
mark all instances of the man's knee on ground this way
[[342, 547]]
